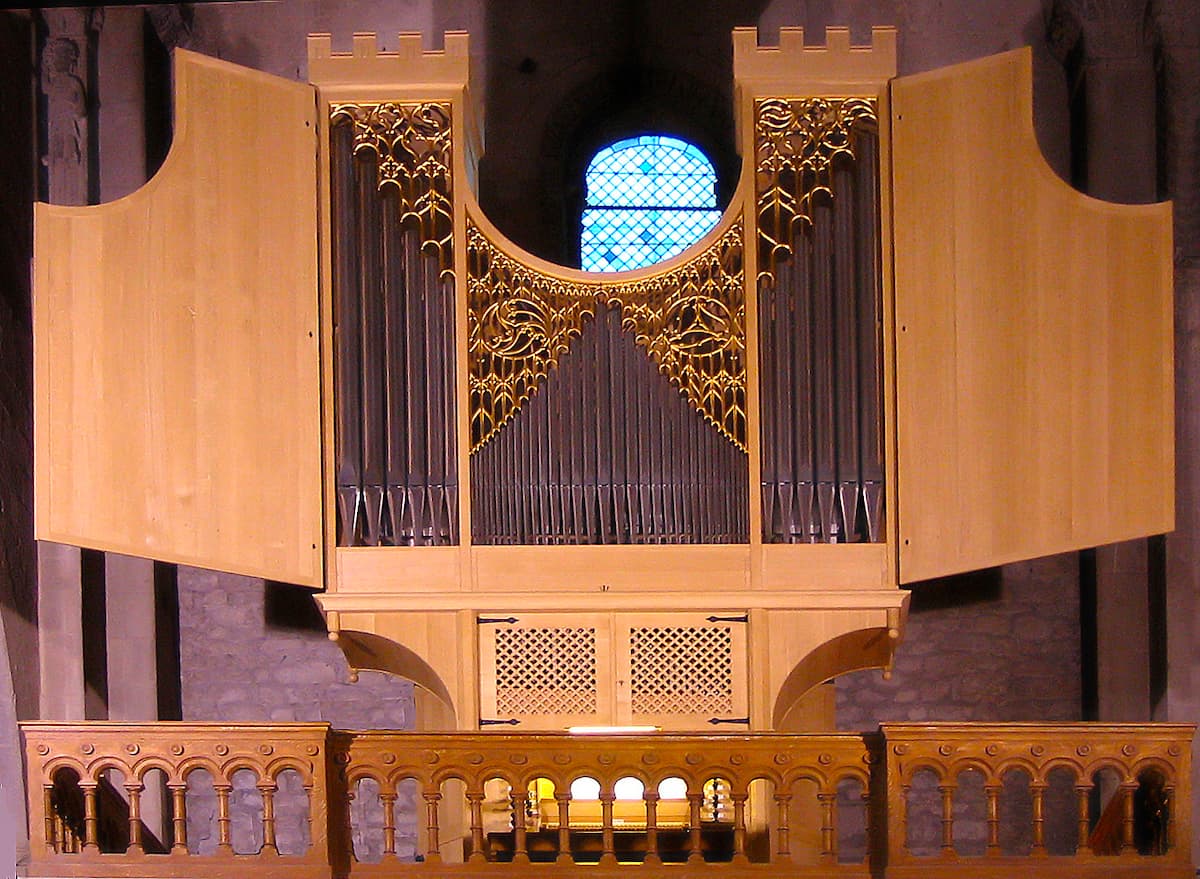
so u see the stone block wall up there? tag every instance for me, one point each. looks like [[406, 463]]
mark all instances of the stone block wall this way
[[999, 645], [259, 652]]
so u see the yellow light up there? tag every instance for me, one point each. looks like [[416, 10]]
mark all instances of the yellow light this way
[[611, 730]]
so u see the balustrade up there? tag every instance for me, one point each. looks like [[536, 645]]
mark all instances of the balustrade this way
[[302, 800]]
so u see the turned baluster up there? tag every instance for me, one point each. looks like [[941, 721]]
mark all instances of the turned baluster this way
[[433, 847], [1127, 841], [564, 828], [91, 821], [520, 842], [652, 856], [695, 798], [179, 818], [1083, 795], [475, 803], [947, 792], [992, 791], [783, 847], [1169, 810], [388, 800], [224, 828], [133, 792], [828, 826], [739, 828], [1038, 790], [53, 838], [267, 789], [608, 852]]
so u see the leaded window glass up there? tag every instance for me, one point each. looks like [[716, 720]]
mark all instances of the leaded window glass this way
[[648, 199]]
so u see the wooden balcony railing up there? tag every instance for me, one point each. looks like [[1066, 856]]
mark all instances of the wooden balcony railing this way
[[302, 800]]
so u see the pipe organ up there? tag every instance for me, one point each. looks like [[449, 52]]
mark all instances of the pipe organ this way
[[681, 496]]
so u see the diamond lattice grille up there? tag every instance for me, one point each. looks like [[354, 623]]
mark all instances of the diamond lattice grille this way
[[681, 670], [545, 671], [648, 199]]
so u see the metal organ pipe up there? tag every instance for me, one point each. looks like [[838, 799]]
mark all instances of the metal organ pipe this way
[[822, 470], [609, 451], [396, 455]]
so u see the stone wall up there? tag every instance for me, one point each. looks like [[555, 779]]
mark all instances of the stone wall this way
[[999, 645], [258, 652]]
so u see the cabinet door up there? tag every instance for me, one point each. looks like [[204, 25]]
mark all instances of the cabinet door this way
[[1034, 381], [177, 392]]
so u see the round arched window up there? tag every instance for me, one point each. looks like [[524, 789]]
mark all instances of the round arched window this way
[[648, 198]]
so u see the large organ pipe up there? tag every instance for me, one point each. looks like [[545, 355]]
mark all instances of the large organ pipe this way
[[396, 453], [822, 471]]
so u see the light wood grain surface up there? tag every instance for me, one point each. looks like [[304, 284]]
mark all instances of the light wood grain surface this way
[[1033, 337], [176, 343]]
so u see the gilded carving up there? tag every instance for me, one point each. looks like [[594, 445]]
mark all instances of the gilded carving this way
[[413, 144], [690, 320], [797, 142]]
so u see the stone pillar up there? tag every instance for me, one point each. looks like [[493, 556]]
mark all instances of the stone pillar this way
[[1107, 44], [65, 62], [122, 108], [64, 65], [60, 623], [132, 655], [133, 662], [1178, 22]]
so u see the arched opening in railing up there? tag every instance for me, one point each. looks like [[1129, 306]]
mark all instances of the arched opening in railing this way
[[1152, 813], [852, 817], [201, 820], [923, 811], [245, 809], [1061, 805], [65, 811], [970, 814], [1105, 812], [293, 813], [366, 820], [1016, 813], [153, 822]]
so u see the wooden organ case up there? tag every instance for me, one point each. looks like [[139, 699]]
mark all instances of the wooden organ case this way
[[681, 496]]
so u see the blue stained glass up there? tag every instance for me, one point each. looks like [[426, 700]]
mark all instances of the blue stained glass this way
[[648, 199]]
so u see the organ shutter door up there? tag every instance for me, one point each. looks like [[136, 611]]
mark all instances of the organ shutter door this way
[[1034, 383], [177, 377]]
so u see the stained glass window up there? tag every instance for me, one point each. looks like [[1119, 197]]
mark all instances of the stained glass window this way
[[648, 198]]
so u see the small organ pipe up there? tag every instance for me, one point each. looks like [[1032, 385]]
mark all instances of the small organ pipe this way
[[615, 446]]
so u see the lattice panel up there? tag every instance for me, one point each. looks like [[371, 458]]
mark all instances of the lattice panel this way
[[681, 670], [546, 671]]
